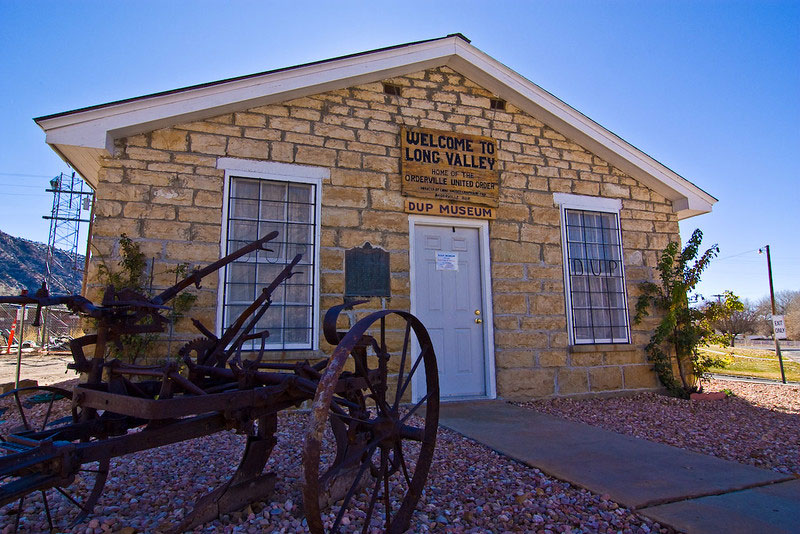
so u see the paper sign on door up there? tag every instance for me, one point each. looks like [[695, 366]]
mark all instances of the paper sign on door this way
[[447, 261]]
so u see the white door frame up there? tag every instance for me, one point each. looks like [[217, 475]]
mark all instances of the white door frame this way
[[418, 387]]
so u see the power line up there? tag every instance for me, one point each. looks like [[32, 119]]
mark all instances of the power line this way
[[19, 185], [736, 255], [25, 175]]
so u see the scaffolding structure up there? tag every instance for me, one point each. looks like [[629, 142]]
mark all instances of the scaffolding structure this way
[[71, 196]]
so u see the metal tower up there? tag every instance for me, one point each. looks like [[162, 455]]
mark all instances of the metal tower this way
[[70, 198]]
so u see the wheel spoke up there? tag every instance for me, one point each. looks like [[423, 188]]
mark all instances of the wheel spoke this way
[[345, 402], [372, 502], [71, 499], [21, 411], [353, 487], [414, 409], [398, 450], [47, 510], [411, 373], [385, 472], [402, 365], [49, 409], [338, 412]]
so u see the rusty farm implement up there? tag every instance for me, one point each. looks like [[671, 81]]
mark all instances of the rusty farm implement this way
[[364, 436]]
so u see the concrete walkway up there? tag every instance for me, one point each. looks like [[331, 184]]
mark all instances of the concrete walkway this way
[[689, 491]]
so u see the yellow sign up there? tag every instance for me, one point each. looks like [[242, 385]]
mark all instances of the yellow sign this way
[[449, 209], [449, 166]]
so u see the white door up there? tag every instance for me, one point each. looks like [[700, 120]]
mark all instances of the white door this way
[[449, 302]]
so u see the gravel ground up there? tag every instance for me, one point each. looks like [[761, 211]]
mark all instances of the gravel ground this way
[[470, 489], [759, 425]]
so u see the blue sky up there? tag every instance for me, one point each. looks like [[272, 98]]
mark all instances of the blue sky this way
[[709, 88]]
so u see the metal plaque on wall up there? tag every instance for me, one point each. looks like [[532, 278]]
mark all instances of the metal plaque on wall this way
[[366, 272]]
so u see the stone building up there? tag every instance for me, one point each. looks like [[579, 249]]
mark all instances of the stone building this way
[[517, 228]]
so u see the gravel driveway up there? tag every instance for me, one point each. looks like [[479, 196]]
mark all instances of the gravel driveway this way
[[46, 369], [470, 489]]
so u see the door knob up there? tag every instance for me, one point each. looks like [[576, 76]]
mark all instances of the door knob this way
[[477, 312], [478, 320]]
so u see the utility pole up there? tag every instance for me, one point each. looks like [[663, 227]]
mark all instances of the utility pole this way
[[772, 298]]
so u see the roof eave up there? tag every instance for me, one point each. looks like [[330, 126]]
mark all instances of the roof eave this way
[[88, 134]]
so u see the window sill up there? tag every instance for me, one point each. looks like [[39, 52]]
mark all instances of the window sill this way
[[602, 347]]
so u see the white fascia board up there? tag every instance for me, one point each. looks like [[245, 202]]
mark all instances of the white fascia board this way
[[689, 207], [85, 135], [97, 128]]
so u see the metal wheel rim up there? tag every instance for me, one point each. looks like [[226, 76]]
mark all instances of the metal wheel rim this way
[[320, 411], [95, 481]]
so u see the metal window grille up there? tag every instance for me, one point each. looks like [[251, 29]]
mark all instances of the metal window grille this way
[[599, 309], [257, 207], [391, 89], [497, 104]]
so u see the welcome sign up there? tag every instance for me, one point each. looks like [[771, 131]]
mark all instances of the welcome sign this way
[[449, 166]]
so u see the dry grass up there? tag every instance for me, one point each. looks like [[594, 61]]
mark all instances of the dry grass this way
[[755, 362]]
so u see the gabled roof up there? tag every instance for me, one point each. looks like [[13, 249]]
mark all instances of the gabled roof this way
[[82, 137]]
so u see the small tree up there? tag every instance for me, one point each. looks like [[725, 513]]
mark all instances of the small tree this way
[[682, 328], [132, 267], [132, 274], [737, 317]]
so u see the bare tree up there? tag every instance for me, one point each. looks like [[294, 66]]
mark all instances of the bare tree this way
[[792, 317], [783, 305]]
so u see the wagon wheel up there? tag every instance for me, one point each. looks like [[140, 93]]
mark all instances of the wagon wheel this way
[[384, 446], [38, 412]]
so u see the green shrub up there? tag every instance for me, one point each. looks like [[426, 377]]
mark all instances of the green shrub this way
[[682, 328]]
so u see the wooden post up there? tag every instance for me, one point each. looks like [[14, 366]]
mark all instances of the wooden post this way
[[21, 322]]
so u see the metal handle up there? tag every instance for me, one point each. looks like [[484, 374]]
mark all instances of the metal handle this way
[[478, 320]]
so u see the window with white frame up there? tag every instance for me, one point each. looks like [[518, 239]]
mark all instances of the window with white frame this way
[[597, 310], [256, 206]]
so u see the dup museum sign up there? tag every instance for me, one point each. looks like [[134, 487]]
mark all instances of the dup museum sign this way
[[452, 169]]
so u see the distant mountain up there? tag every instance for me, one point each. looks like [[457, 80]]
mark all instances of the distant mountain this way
[[22, 266]]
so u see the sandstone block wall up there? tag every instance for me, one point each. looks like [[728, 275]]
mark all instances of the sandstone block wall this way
[[163, 189]]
